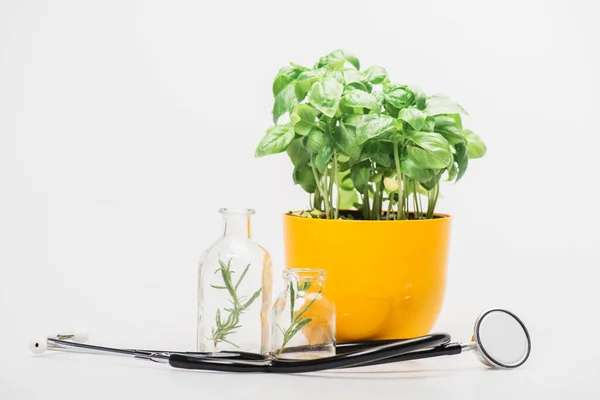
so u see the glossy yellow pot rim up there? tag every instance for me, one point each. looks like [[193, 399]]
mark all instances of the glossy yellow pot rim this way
[[441, 217]]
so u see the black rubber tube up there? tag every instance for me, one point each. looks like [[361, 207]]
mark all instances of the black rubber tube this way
[[365, 356]]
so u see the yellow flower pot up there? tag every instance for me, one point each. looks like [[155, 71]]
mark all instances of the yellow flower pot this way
[[387, 279]]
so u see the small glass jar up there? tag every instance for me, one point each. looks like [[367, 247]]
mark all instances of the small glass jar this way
[[303, 320], [235, 290]]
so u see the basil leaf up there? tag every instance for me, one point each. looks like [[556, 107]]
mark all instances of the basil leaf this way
[[352, 75], [298, 154], [414, 117], [428, 125], [440, 104], [323, 157], [285, 102], [342, 158], [337, 75], [430, 184], [345, 138], [337, 59], [446, 126], [315, 141], [475, 146], [375, 74], [305, 80], [348, 198], [452, 171], [377, 152], [461, 159], [359, 98], [305, 177], [412, 170], [277, 140], [371, 126], [285, 76], [303, 119], [325, 96], [399, 98], [360, 173], [359, 86], [344, 180], [431, 150]]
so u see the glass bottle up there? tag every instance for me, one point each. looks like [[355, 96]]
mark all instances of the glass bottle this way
[[235, 290], [303, 325]]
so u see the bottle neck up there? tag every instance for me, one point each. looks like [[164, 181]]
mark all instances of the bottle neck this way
[[305, 280], [236, 224]]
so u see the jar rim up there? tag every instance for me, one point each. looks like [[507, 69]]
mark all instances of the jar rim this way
[[237, 211], [316, 272]]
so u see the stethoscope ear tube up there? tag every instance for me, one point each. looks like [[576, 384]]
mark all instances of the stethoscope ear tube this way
[[367, 356]]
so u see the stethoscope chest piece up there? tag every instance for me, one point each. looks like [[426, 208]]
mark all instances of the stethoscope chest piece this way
[[500, 340]]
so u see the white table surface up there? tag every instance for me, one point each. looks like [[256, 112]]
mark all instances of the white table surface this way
[[72, 376]]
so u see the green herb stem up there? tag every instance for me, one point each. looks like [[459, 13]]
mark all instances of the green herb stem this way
[[401, 182]]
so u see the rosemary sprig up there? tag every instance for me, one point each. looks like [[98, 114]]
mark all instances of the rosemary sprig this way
[[297, 322], [239, 304]]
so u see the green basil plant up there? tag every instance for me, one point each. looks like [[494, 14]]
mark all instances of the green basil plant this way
[[360, 142]]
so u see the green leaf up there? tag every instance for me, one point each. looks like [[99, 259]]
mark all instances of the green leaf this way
[[475, 146], [452, 171], [378, 152], [462, 159], [359, 86], [412, 170], [457, 120], [428, 125], [440, 104], [305, 177], [433, 181], [352, 76], [344, 180], [277, 140], [375, 74], [251, 299], [305, 80], [323, 157], [325, 96], [285, 102], [431, 150], [359, 98], [345, 138], [298, 153], [285, 76], [337, 59], [315, 141], [446, 126], [343, 157], [371, 126], [337, 75], [414, 117], [347, 199], [303, 119], [399, 97], [360, 173]]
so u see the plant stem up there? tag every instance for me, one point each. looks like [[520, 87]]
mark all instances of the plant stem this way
[[401, 181], [330, 194], [389, 209], [432, 200], [319, 185], [337, 185], [366, 203]]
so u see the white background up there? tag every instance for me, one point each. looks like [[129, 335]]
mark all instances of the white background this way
[[125, 126]]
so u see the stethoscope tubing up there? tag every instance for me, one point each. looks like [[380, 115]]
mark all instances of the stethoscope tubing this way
[[366, 356], [350, 355]]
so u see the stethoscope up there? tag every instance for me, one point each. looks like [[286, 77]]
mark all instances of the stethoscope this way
[[500, 340]]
